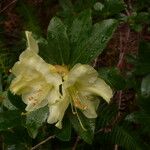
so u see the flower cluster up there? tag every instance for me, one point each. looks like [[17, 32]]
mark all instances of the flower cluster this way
[[42, 84]]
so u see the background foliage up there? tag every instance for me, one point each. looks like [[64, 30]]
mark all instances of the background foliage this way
[[79, 31]]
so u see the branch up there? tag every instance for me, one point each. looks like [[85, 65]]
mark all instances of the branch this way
[[8, 6], [123, 49], [76, 143], [49, 138]]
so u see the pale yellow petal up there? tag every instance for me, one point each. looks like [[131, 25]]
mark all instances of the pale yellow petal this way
[[17, 85], [24, 79], [35, 80], [92, 105], [36, 98], [57, 111], [53, 96], [102, 89], [82, 75], [31, 42], [32, 62]]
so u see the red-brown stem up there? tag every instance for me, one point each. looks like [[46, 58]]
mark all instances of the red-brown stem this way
[[76, 143]]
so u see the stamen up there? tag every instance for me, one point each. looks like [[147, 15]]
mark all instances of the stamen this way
[[72, 107], [80, 120], [24, 113], [77, 104]]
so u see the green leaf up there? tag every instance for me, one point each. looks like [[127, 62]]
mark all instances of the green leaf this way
[[122, 136], [19, 146], [10, 119], [145, 86], [1, 87], [58, 42], [142, 17], [94, 44], [98, 6], [83, 4], [113, 77], [8, 56], [29, 16], [142, 118], [18, 136], [89, 124], [44, 51], [142, 68], [6, 102], [16, 101], [67, 12], [144, 103], [106, 113], [35, 120], [64, 134], [112, 7], [11, 138], [142, 65], [81, 27], [66, 5], [137, 27], [144, 51]]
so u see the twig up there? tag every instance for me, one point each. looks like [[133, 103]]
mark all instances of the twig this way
[[123, 49], [95, 62], [130, 5], [121, 55], [8, 6], [120, 98], [127, 12], [49, 138], [129, 9], [76, 143], [116, 147]]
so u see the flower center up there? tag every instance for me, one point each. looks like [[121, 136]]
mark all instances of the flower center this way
[[63, 70]]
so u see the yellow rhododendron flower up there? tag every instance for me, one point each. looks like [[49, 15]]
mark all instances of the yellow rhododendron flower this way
[[42, 84], [35, 79], [80, 87]]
